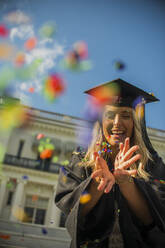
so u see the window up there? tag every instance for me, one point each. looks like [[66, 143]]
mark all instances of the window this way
[[9, 198], [35, 210], [20, 148]]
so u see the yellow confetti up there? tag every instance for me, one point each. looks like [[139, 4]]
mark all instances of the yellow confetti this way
[[85, 197], [20, 214]]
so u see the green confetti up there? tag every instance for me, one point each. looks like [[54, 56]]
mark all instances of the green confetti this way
[[55, 159], [65, 162], [40, 148]]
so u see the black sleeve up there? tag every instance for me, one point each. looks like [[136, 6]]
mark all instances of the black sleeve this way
[[67, 198], [154, 192]]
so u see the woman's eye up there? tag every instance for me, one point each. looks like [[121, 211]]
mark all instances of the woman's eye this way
[[110, 116], [126, 116]]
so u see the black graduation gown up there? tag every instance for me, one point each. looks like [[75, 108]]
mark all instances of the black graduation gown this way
[[96, 227]]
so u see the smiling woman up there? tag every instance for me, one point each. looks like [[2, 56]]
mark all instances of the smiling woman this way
[[118, 171], [117, 123]]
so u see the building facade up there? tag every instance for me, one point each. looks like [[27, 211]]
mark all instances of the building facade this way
[[28, 215]]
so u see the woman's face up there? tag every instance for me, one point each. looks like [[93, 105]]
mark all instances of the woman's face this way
[[117, 124]]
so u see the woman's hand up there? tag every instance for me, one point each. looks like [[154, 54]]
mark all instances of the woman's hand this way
[[123, 162], [102, 175]]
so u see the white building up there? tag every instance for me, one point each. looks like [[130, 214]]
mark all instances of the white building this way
[[28, 215]]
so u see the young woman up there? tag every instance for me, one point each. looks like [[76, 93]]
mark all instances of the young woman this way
[[121, 174]]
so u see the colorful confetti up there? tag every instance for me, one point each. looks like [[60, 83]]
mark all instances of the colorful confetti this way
[[55, 159], [6, 51], [119, 65], [20, 214], [9, 185], [34, 198], [40, 136], [76, 58], [25, 177], [31, 90], [3, 31], [47, 153], [5, 236], [65, 162], [44, 231], [48, 30], [12, 115], [85, 197], [30, 44], [20, 59], [54, 86]]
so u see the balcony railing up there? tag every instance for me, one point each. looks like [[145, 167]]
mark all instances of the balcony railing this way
[[42, 165]]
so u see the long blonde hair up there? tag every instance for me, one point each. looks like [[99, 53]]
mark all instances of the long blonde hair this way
[[98, 138]]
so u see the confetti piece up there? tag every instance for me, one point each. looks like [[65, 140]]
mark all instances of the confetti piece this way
[[40, 148], [25, 177], [40, 136], [30, 44], [55, 159], [63, 170], [9, 185], [20, 59], [76, 59], [5, 236], [6, 51], [64, 179], [13, 115], [119, 65], [20, 214], [65, 162], [47, 153], [48, 30], [49, 146], [81, 49], [34, 198], [54, 86], [31, 90], [3, 31], [44, 231], [85, 197]]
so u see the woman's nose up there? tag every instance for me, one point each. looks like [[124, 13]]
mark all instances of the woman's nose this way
[[116, 119]]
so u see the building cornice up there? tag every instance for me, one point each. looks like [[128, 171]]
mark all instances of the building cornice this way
[[34, 176]]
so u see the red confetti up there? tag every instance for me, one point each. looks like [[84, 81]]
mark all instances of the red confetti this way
[[3, 30], [54, 86], [5, 236], [40, 136]]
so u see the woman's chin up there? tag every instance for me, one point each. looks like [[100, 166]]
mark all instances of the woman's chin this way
[[117, 139]]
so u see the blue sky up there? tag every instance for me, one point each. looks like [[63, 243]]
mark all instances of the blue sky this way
[[131, 31]]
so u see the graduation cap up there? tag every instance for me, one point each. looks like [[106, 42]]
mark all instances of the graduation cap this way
[[121, 93]]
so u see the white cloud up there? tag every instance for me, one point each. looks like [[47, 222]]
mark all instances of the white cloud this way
[[23, 32]]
